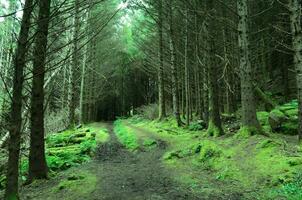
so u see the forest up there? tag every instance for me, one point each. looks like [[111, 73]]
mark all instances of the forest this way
[[151, 99]]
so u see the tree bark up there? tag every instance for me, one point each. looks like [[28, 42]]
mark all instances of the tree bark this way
[[161, 87], [214, 127], [12, 176], [295, 21], [74, 67], [174, 75], [187, 80], [37, 161], [249, 117]]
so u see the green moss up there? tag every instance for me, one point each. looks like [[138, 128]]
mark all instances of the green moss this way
[[149, 142], [125, 135], [195, 126], [213, 130], [78, 186], [263, 117], [209, 151], [289, 128], [246, 132], [268, 143], [291, 112], [278, 113]]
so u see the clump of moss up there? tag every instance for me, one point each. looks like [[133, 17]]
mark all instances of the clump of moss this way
[[284, 119], [186, 152], [268, 143], [263, 117], [196, 126], [125, 135], [209, 151], [246, 132]]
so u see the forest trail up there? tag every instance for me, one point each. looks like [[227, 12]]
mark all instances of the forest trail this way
[[136, 175], [116, 173]]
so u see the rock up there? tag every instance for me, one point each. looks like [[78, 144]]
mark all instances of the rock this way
[[276, 119]]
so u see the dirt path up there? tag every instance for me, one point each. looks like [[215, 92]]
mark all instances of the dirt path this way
[[117, 174], [123, 175]]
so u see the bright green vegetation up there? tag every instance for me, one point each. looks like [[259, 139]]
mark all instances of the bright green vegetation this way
[[268, 165], [71, 147], [77, 185], [72, 184], [283, 119], [125, 135]]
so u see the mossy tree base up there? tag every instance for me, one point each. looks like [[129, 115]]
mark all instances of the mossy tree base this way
[[247, 131], [214, 131]]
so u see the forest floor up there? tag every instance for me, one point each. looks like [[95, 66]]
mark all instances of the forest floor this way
[[115, 174], [139, 159]]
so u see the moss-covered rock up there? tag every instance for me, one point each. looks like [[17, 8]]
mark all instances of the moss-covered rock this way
[[284, 119], [276, 118]]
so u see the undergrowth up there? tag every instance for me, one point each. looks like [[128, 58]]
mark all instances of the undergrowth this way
[[70, 148]]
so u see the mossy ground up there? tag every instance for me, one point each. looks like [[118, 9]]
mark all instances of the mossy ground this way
[[67, 149], [255, 166]]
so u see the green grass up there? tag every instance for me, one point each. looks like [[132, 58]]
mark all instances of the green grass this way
[[125, 135]]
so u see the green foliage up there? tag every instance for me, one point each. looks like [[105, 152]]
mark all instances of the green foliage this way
[[196, 126], [2, 181], [125, 135], [263, 117], [292, 190], [209, 151]]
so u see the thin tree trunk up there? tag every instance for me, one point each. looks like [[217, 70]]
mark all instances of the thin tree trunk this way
[[12, 175], [161, 87], [37, 161], [75, 66], [174, 70], [187, 80]]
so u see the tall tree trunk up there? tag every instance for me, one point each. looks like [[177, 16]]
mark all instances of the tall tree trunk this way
[[161, 86], [187, 80], [75, 67], [214, 127], [295, 19], [175, 92], [249, 117], [37, 161], [12, 176]]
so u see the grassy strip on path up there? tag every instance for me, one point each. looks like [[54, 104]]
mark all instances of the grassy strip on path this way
[[126, 135]]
